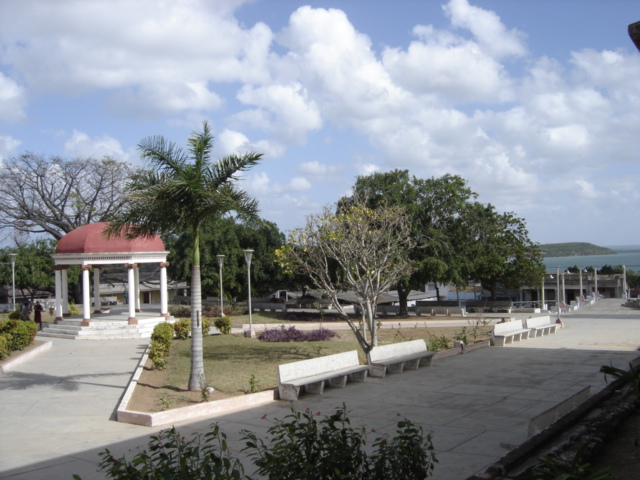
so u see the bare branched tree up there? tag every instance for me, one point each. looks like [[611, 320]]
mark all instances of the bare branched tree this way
[[358, 249], [53, 195]]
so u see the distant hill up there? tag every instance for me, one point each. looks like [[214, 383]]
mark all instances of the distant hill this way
[[573, 249]]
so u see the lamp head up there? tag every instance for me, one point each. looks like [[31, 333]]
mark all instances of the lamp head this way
[[247, 255], [220, 259], [634, 33]]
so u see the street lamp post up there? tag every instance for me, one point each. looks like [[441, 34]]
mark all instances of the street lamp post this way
[[220, 262], [247, 256], [12, 259], [558, 295]]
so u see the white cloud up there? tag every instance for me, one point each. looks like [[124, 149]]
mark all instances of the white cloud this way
[[8, 146], [12, 100], [300, 184], [284, 110], [440, 64], [316, 168], [487, 28], [153, 55], [79, 144], [586, 189]]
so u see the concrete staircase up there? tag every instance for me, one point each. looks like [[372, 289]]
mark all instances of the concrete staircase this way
[[103, 328]]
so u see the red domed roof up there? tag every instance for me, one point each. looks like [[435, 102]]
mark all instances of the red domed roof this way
[[92, 239]]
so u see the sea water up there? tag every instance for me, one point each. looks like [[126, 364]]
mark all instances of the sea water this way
[[627, 255]]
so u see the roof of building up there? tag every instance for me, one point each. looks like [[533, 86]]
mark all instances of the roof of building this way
[[92, 239]]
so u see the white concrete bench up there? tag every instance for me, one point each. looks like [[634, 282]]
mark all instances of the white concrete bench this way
[[270, 306], [395, 357], [540, 326], [509, 332], [433, 311], [313, 373], [387, 309]]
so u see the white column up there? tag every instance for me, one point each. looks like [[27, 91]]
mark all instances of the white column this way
[[58, 279], [132, 292], [96, 290], [86, 296], [65, 292], [164, 304], [136, 272]]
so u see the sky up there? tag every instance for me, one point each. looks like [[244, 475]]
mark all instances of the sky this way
[[535, 103]]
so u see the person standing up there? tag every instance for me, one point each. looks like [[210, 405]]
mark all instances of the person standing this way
[[37, 314], [25, 311]]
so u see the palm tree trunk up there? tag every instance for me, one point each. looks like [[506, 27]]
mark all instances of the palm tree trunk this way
[[196, 378]]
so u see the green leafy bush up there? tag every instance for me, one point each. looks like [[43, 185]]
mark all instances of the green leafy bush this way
[[223, 324], [158, 355], [5, 343], [22, 333], [163, 333], [180, 311], [161, 340], [182, 328], [300, 446], [15, 315], [206, 326]]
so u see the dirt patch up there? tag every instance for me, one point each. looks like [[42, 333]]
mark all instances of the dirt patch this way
[[621, 452], [153, 395]]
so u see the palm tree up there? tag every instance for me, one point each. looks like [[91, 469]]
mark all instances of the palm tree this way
[[180, 191]]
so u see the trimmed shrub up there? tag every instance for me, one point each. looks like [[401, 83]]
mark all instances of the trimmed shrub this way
[[163, 333], [291, 334], [15, 315], [161, 340], [5, 343], [182, 328], [158, 355], [206, 326], [223, 324], [180, 311], [22, 333]]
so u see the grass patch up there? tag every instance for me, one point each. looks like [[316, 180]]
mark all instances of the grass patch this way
[[235, 365], [230, 360]]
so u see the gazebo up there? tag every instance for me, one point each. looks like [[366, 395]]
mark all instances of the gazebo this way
[[89, 247]]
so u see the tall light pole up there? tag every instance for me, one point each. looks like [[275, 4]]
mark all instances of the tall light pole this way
[[220, 262], [12, 259], [558, 294], [247, 256]]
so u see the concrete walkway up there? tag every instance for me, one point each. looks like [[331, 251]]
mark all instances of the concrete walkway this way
[[58, 408]]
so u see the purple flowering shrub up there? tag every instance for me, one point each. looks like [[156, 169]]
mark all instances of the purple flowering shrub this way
[[292, 334]]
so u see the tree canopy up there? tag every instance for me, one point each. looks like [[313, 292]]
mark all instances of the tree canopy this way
[[54, 195], [435, 208], [358, 249]]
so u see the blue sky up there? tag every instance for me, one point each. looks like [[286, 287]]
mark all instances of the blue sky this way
[[535, 103]]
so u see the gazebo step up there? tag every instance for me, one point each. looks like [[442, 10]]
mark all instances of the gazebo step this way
[[103, 329]]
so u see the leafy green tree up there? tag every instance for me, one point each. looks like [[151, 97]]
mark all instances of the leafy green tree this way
[[358, 249], [33, 267], [181, 190], [435, 208], [500, 250], [229, 237]]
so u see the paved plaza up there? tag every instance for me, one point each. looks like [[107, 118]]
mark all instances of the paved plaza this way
[[58, 409]]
